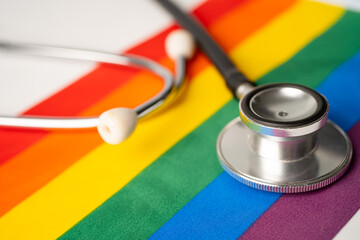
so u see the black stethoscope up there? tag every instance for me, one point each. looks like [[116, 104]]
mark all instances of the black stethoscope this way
[[282, 141]]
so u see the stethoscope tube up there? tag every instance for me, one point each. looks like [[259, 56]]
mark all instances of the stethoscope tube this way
[[91, 56], [282, 141], [116, 124], [236, 81]]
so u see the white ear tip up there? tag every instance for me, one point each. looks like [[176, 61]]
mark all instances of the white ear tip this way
[[180, 43], [117, 124]]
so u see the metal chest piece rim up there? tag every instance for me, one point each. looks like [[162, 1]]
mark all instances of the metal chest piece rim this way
[[282, 141]]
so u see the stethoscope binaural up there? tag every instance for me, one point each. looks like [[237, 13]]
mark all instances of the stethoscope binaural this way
[[117, 124], [282, 141]]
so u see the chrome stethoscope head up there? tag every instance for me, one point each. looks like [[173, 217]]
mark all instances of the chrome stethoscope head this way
[[283, 142]]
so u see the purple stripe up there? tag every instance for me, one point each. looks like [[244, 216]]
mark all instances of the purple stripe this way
[[322, 213]]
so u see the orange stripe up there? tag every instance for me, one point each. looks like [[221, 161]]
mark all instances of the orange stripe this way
[[248, 18], [70, 101], [33, 168], [67, 102], [145, 86]]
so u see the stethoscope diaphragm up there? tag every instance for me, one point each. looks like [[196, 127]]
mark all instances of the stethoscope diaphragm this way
[[282, 141]]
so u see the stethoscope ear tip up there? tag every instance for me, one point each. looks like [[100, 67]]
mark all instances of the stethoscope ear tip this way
[[180, 44], [117, 124]]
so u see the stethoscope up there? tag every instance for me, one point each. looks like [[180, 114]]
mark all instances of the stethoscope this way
[[281, 142]]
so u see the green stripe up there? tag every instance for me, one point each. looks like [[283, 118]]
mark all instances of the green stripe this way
[[311, 65], [158, 192]]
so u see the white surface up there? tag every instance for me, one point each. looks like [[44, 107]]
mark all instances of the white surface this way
[[350, 4], [351, 231], [109, 25]]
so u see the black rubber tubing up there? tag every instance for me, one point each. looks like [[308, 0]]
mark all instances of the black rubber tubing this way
[[233, 77]]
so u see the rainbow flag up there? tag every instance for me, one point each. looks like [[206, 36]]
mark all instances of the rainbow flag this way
[[165, 182]]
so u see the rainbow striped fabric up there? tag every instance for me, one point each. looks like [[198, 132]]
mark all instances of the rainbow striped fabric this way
[[165, 182]]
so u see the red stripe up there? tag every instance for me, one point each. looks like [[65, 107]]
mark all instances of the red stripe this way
[[212, 10], [95, 85], [31, 169]]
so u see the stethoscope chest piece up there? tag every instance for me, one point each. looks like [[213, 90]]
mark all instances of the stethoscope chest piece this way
[[283, 142]]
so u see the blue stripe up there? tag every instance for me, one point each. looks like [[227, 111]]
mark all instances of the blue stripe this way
[[342, 90], [220, 211], [226, 208]]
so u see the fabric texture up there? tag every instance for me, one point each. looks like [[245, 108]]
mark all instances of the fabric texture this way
[[165, 182]]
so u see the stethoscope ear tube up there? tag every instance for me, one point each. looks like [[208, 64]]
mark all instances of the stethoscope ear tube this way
[[235, 80], [116, 124]]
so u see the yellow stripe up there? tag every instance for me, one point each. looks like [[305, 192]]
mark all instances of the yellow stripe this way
[[84, 186], [285, 36], [89, 182]]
